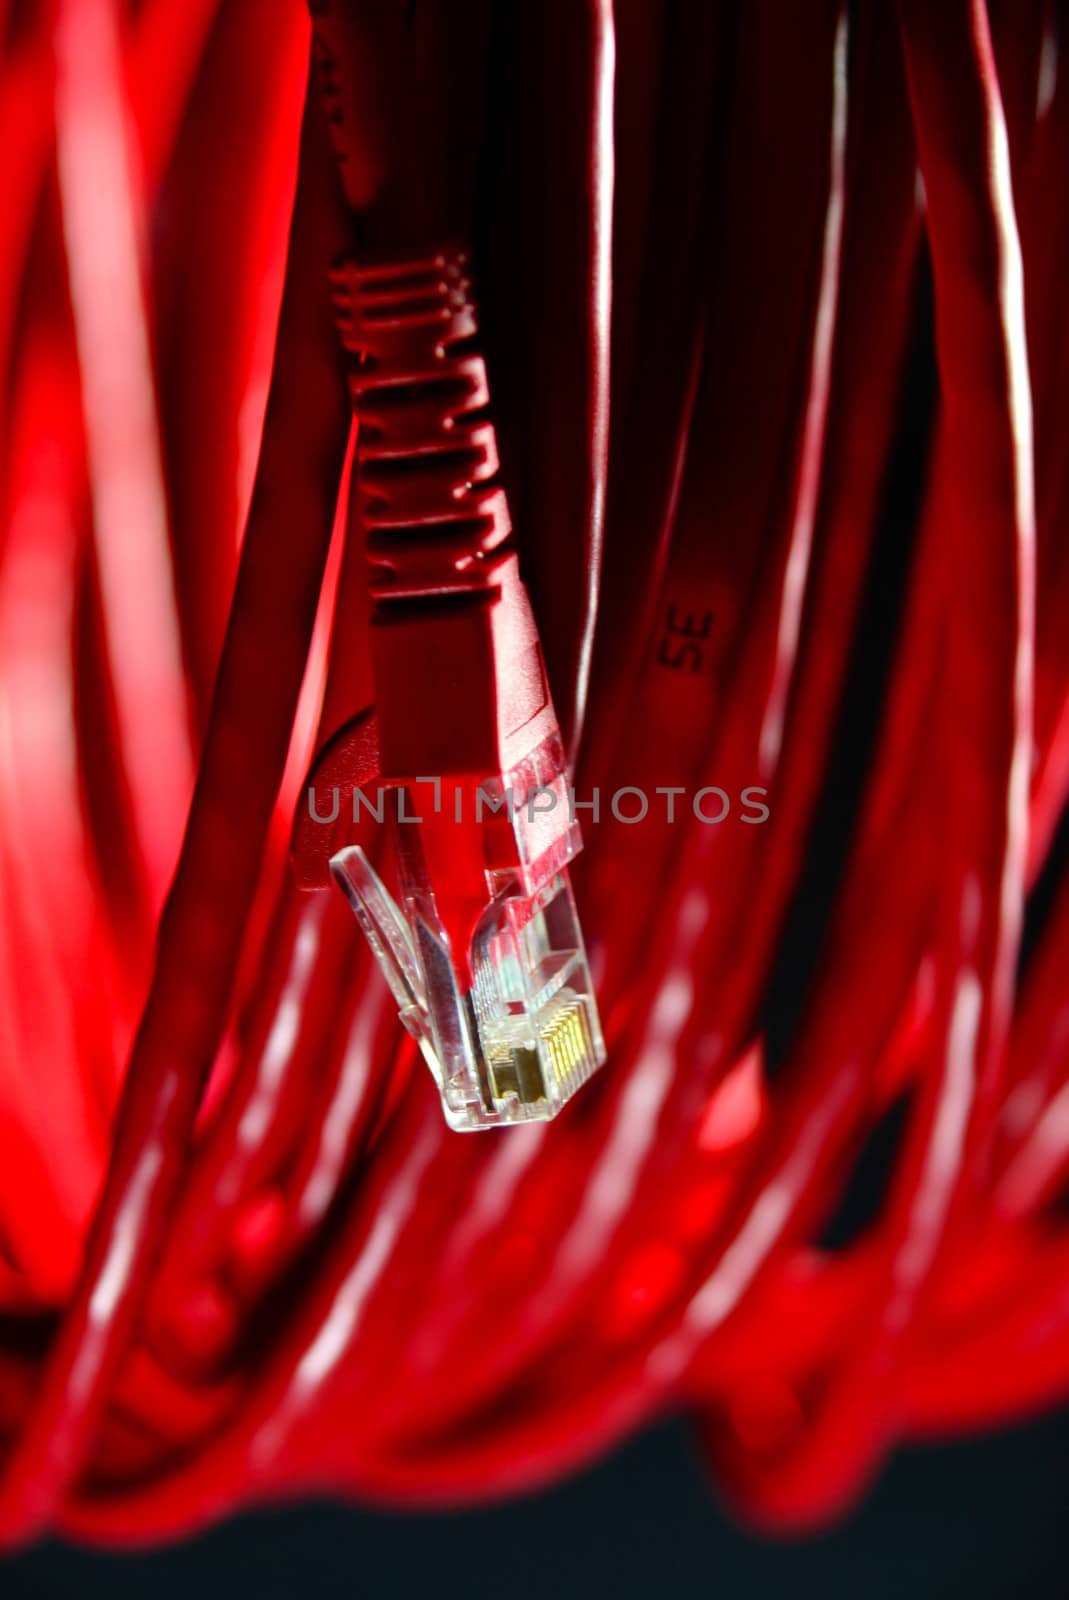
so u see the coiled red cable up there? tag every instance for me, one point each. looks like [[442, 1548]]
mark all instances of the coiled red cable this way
[[239, 1254]]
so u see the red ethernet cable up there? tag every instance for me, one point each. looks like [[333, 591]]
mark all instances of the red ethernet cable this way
[[487, 961], [241, 1253], [489, 969]]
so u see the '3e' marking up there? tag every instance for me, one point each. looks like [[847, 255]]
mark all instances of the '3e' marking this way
[[682, 642]]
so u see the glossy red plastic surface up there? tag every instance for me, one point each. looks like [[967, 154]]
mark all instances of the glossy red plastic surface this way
[[240, 1255]]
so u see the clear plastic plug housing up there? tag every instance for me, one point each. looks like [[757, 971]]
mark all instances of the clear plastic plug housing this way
[[517, 1040], [526, 1036]]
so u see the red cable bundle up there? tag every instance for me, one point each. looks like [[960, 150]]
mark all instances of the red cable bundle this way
[[240, 1254]]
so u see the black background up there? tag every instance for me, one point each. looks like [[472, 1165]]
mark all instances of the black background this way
[[987, 1520]]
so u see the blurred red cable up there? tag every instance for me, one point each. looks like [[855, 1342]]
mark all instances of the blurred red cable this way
[[240, 1255]]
